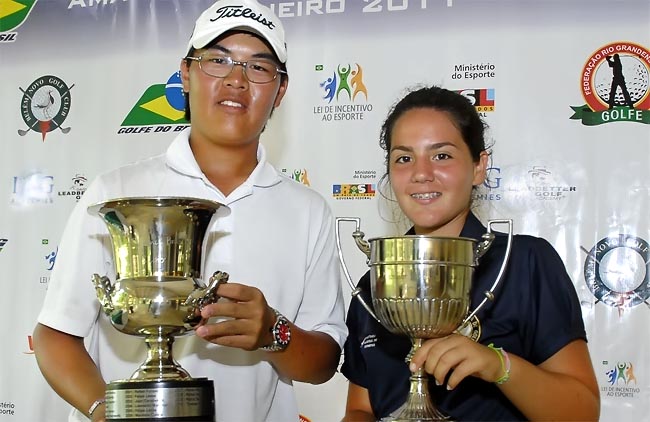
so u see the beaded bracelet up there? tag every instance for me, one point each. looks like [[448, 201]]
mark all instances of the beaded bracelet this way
[[505, 363]]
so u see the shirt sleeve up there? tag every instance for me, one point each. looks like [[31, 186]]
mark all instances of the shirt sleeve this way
[[354, 365], [555, 316], [71, 304], [323, 308]]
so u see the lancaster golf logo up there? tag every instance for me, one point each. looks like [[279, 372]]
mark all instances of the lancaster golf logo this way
[[45, 105], [615, 85], [12, 14]]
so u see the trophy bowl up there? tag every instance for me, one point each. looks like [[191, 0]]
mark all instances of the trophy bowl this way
[[420, 288], [157, 245], [420, 285]]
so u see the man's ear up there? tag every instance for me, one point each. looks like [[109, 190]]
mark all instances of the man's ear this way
[[185, 74], [284, 83]]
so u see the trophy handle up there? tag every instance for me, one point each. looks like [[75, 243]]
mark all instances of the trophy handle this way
[[205, 296], [104, 290], [364, 246], [484, 244], [482, 247]]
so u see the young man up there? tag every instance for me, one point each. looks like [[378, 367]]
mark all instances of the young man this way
[[276, 243]]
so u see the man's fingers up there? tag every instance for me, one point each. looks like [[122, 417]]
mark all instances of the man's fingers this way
[[232, 333], [238, 310], [239, 292]]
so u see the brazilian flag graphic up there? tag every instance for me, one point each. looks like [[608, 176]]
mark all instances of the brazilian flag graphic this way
[[14, 12], [161, 104]]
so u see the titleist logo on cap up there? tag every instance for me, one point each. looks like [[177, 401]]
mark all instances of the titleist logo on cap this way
[[238, 11]]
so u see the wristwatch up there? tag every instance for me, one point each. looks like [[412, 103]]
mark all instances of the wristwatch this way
[[281, 333]]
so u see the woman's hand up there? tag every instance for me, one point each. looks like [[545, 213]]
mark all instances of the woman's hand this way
[[457, 357]]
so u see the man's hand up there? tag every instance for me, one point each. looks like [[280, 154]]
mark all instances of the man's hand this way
[[248, 318]]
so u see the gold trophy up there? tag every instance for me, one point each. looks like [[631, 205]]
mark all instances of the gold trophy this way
[[420, 287], [157, 248]]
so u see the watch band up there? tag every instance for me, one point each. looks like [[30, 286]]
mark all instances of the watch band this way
[[281, 332]]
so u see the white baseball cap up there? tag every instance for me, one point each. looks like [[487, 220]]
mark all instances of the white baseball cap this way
[[247, 15]]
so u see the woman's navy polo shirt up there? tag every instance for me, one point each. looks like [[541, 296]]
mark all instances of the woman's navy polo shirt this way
[[536, 312]]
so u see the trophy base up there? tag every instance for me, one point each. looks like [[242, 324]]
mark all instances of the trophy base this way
[[189, 400]]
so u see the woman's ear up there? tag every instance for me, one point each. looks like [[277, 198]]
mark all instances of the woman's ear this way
[[480, 168]]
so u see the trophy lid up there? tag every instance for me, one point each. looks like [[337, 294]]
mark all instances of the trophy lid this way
[[155, 201]]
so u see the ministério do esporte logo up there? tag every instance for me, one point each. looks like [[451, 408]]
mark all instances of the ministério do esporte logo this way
[[616, 271], [615, 85]]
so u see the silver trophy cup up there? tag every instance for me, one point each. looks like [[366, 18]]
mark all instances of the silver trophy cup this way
[[420, 288], [158, 293]]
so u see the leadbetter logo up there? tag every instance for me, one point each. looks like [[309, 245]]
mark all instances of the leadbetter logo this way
[[77, 187], [45, 105], [615, 85]]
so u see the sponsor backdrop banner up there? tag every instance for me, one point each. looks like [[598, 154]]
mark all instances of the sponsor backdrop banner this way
[[88, 85]]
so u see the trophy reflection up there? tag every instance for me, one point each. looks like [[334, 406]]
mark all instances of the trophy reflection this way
[[158, 293], [420, 288]]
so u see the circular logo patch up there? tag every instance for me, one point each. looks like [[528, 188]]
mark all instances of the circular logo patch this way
[[471, 329], [45, 105], [616, 271]]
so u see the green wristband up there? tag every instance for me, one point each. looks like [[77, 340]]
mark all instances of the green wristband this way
[[505, 363]]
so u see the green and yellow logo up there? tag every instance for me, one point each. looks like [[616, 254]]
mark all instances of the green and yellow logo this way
[[161, 108], [12, 14]]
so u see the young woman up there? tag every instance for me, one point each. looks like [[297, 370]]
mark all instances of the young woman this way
[[527, 358]]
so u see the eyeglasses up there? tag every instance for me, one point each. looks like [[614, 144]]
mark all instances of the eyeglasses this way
[[256, 70]]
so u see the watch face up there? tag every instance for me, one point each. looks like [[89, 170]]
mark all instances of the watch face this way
[[282, 332]]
